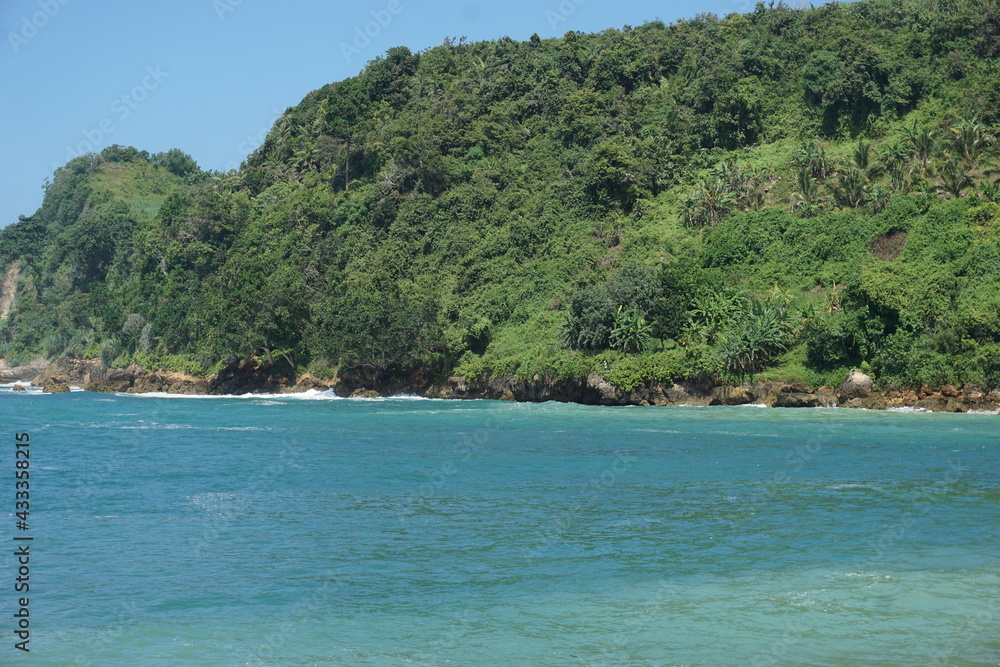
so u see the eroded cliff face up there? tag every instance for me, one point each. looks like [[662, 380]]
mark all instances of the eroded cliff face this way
[[8, 290], [248, 376], [24, 373], [596, 390]]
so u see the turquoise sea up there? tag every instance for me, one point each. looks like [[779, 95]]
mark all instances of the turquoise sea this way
[[309, 530]]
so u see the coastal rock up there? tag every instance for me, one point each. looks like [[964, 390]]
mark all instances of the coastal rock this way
[[867, 403], [53, 387], [170, 383], [364, 393], [109, 386], [972, 393], [941, 404], [796, 399], [731, 396], [609, 393], [308, 381], [71, 371], [247, 376], [680, 394], [23, 372], [254, 376], [827, 398], [857, 385], [19, 387]]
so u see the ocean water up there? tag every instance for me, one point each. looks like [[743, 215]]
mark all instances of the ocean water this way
[[308, 530]]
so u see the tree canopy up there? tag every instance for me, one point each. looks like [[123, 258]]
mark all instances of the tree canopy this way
[[794, 191]]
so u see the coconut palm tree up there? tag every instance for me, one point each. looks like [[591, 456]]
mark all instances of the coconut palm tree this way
[[806, 200], [970, 140], [954, 178], [923, 144]]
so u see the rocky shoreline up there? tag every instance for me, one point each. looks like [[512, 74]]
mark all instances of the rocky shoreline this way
[[247, 376]]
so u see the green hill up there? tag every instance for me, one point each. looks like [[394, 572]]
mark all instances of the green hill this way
[[782, 194]]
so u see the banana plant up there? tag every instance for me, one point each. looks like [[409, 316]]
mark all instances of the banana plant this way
[[631, 332]]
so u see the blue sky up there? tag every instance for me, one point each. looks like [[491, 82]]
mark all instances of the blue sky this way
[[210, 76]]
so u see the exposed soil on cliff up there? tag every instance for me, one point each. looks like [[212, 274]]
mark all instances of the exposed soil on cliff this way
[[8, 290]]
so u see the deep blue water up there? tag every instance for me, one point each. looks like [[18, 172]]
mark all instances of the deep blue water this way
[[312, 531]]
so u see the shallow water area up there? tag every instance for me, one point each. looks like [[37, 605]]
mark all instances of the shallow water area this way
[[313, 530]]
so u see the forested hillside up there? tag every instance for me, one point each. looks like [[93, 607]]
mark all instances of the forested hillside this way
[[781, 194]]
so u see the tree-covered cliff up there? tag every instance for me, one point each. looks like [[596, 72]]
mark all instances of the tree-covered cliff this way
[[786, 192]]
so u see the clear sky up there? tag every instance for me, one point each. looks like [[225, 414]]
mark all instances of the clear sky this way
[[210, 76]]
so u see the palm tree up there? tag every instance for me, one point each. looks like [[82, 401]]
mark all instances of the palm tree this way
[[806, 199], [970, 140], [893, 157], [990, 191], [863, 160], [710, 203], [922, 143], [811, 157], [850, 191], [954, 178]]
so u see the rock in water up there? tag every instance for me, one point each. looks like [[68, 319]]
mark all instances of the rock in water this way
[[857, 385], [53, 387], [364, 393]]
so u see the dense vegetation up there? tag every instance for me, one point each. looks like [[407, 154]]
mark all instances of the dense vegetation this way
[[788, 192]]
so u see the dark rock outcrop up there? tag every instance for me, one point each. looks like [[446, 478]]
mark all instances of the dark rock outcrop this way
[[792, 399], [941, 404], [726, 395], [253, 376], [364, 393], [867, 403]]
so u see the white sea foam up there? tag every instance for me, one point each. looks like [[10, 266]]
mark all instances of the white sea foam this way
[[311, 394], [163, 394], [276, 399]]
